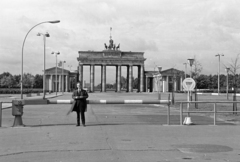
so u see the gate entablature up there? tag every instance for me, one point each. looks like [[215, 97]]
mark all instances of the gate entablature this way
[[112, 56]]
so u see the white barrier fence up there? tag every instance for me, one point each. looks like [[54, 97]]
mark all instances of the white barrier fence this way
[[17, 105], [203, 102]]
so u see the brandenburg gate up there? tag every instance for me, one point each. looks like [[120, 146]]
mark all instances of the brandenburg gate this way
[[112, 56], [59, 79]]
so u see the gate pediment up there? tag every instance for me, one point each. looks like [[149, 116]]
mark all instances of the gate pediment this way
[[52, 71]]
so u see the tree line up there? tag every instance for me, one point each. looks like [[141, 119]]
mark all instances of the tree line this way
[[7, 80], [209, 82]]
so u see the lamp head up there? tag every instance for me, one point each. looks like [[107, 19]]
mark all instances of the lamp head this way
[[227, 69], [219, 55], [47, 34], [57, 53], [56, 21], [191, 61]]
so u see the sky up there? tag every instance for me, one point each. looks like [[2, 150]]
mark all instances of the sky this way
[[168, 32]]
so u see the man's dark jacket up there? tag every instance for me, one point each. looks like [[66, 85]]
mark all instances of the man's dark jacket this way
[[79, 104]]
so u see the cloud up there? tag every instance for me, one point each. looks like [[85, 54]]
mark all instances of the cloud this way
[[167, 31]]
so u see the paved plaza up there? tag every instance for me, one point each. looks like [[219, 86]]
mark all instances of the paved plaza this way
[[124, 133]]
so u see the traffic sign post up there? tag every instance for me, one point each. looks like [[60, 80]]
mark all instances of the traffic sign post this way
[[188, 85]]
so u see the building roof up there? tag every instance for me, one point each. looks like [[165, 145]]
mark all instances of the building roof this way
[[52, 71], [167, 72]]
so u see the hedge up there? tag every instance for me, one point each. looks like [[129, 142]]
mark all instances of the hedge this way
[[18, 91]]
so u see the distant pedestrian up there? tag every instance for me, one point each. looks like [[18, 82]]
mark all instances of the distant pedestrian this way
[[80, 103]]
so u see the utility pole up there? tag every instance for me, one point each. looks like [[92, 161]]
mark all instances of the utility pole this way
[[218, 55]]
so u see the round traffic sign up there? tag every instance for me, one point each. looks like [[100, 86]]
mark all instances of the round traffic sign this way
[[189, 84]]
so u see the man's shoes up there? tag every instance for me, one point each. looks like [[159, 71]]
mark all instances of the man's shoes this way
[[77, 125], [84, 125]]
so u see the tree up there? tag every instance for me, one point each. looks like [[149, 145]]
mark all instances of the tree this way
[[99, 86], [215, 81], [234, 67], [38, 81], [109, 86], [28, 80], [7, 81], [135, 83], [202, 81], [222, 80], [123, 82], [4, 78], [17, 80], [210, 85], [197, 69]]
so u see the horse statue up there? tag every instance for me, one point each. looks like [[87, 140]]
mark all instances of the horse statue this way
[[106, 47], [118, 46]]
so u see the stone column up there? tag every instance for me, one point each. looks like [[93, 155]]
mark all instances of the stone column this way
[[92, 69], [175, 84], [103, 78], [130, 88], [141, 78], [101, 89], [63, 83], [119, 79], [181, 80], [50, 83], [60, 83], [146, 84], [151, 85], [116, 77], [66, 83], [80, 71], [139, 75], [167, 84], [127, 78]]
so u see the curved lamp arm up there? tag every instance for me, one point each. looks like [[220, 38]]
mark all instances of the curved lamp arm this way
[[56, 21]]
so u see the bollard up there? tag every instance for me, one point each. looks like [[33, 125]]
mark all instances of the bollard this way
[[181, 113], [215, 112], [17, 111], [0, 114], [168, 116]]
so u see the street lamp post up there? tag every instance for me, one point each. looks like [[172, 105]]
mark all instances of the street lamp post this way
[[227, 70], [56, 53], [44, 61], [62, 76], [57, 21], [185, 69], [218, 55], [191, 61]]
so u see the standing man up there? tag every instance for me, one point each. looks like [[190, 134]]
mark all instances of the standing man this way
[[80, 103]]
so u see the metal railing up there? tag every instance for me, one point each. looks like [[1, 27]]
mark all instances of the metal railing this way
[[214, 111], [203, 102], [1, 108], [0, 114]]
